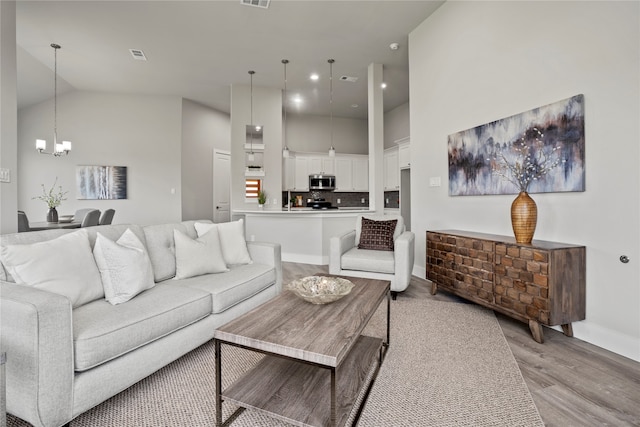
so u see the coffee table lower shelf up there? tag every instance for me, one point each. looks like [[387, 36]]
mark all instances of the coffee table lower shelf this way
[[300, 393]]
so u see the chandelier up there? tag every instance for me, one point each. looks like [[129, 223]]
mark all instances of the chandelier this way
[[59, 148]]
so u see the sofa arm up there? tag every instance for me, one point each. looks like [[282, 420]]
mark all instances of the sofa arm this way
[[338, 245], [404, 248], [37, 336], [268, 254]]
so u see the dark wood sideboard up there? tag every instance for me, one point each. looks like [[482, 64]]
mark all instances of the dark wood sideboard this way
[[541, 283]]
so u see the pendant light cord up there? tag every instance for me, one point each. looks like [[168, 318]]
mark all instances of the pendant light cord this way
[[251, 73], [55, 94], [331, 61], [284, 104]]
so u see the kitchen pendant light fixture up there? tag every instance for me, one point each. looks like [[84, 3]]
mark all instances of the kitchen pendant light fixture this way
[[251, 157], [332, 151], [285, 149], [59, 148]]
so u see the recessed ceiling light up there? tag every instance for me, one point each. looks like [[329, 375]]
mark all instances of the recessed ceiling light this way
[[354, 105], [394, 46], [314, 77], [383, 85]]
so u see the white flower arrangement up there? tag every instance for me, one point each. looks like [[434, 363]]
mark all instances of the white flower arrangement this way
[[51, 198], [531, 162]]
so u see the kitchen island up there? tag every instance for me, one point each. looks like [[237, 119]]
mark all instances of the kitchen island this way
[[303, 233]]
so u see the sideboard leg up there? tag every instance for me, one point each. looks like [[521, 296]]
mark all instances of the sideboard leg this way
[[567, 329], [536, 331], [434, 288]]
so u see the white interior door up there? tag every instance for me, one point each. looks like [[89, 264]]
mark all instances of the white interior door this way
[[221, 186]]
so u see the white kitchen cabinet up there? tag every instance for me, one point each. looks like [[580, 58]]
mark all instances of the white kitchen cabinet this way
[[344, 174], [301, 174], [391, 170], [404, 155], [321, 166], [352, 173], [288, 174], [361, 174]]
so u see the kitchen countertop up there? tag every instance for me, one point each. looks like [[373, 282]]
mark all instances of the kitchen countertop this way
[[304, 210]]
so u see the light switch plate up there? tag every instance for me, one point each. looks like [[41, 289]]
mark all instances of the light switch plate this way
[[435, 181], [5, 175]]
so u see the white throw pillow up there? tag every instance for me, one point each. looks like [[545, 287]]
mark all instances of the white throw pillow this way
[[124, 265], [64, 265], [232, 241], [200, 256]]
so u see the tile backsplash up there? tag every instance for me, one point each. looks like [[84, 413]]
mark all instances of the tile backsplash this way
[[347, 200]]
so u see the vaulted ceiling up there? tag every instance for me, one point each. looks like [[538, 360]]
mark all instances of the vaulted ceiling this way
[[198, 49]]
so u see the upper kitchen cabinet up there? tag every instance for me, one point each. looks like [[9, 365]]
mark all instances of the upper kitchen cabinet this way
[[352, 173], [321, 165], [404, 155], [391, 169]]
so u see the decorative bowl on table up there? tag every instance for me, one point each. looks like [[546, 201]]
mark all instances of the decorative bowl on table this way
[[65, 218], [320, 289]]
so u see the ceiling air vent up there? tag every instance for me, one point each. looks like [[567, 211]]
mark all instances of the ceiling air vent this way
[[349, 79], [256, 3], [138, 54]]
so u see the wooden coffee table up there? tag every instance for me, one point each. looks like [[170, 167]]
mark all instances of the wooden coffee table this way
[[317, 362]]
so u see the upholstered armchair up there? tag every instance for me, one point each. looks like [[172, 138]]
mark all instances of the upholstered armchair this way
[[391, 259]]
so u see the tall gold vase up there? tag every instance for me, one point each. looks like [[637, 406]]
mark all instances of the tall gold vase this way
[[524, 216]]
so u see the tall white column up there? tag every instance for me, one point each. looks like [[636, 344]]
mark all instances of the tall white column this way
[[376, 138]]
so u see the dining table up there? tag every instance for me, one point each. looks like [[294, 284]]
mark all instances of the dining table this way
[[37, 226]]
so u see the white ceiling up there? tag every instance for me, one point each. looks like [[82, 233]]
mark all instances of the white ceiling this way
[[198, 49]]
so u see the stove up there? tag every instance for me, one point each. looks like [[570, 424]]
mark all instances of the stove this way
[[321, 204]]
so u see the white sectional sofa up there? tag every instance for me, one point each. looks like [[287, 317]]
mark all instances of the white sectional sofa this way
[[63, 359]]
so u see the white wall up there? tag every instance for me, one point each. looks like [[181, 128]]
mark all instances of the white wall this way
[[311, 133], [396, 124], [137, 131], [203, 129], [475, 62], [8, 117]]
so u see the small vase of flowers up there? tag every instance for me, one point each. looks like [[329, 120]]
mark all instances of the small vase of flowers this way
[[53, 199], [528, 161]]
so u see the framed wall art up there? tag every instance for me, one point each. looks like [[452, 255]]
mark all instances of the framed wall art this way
[[101, 182], [547, 143]]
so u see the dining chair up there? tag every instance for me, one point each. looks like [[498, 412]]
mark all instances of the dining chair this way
[[107, 217], [89, 218], [23, 222], [81, 213]]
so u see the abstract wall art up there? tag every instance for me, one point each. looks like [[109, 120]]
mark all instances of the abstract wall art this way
[[101, 182], [541, 149]]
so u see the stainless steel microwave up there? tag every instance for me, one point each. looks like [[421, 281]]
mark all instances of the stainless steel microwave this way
[[322, 182]]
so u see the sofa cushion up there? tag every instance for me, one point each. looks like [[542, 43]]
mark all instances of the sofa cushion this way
[[195, 257], [64, 265], [238, 284], [124, 266], [162, 250], [368, 260], [103, 331], [377, 235], [232, 240]]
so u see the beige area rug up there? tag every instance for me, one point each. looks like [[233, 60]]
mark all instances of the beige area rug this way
[[448, 365]]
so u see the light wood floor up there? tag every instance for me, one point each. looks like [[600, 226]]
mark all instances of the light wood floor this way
[[573, 383]]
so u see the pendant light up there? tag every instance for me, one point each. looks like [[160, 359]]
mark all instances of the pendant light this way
[[251, 157], [285, 149], [332, 151], [62, 148]]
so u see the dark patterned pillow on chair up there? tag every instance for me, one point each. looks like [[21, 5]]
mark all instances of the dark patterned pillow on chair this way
[[377, 235]]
